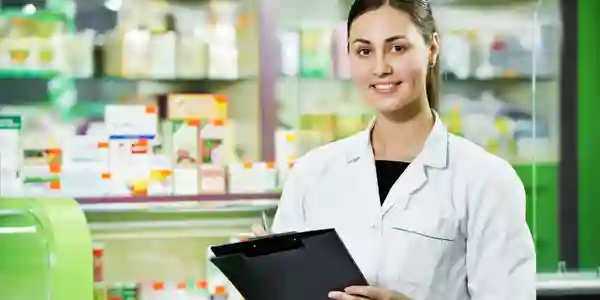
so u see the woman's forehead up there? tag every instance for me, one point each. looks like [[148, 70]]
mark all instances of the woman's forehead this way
[[383, 23]]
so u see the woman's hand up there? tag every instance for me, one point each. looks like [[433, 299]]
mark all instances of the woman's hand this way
[[366, 292], [259, 230]]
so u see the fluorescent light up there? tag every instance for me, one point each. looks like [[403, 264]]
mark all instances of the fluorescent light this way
[[29, 9], [113, 5]]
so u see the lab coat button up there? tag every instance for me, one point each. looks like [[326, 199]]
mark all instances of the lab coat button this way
[[372, 225]]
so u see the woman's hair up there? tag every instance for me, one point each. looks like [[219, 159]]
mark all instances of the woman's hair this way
[[421, 15]]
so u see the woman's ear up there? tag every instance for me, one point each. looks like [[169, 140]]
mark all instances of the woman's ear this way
[[434, 48]]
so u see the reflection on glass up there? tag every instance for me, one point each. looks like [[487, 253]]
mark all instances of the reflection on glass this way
[[544, 140]]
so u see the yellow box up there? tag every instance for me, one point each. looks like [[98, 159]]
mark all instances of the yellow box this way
[[197, 107]]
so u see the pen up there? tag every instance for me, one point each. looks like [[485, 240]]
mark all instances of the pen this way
[[265, 222]]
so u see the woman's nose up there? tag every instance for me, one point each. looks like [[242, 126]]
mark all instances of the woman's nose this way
[[382, 67]]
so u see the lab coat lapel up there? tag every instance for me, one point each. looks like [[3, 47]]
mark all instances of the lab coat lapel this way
[[414, 178], [361, 168]]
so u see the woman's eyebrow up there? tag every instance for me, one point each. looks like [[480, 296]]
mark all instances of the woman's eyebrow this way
[[387, 40]]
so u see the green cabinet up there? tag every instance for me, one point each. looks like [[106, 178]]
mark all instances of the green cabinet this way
[[45, 250]]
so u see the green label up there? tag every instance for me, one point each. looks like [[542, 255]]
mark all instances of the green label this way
[[10, 122]]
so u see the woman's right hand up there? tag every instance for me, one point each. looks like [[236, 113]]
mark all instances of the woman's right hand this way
[[259, 230]]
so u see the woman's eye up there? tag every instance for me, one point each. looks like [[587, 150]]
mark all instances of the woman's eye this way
[[364, 52], [398, 48]]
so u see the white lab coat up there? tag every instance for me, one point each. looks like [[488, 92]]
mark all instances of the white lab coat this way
[[452, 227]]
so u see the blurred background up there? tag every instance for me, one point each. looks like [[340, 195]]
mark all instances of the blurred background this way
[[143, 131]]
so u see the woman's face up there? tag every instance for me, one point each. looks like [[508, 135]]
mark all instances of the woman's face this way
[[389, 58]]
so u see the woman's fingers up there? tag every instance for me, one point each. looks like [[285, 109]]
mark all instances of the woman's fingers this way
[[343, 296], [259, 230]]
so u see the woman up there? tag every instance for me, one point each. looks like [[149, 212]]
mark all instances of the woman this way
[[450, 220]]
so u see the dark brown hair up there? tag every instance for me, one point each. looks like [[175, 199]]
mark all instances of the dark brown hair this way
[[421, 15]]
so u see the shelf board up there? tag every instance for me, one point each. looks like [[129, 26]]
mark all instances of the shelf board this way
[[27, 74], [517, 79], [196, 203], [49, 74], [446, 78], [169, 199], [150, 79]]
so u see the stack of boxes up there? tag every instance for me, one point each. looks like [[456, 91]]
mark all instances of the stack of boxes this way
[[139, 150], [197, 133]]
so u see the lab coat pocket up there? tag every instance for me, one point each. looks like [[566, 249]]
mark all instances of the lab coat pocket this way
[[444, 234], [422, 245]]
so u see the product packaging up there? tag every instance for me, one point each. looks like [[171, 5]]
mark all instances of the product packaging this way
[[10, 155], [315, 53], [248, 177]]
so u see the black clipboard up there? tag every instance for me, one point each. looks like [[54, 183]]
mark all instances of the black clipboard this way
[[289, 266]]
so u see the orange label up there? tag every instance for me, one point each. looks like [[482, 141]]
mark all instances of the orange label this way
[[218, 122], [55, 168], [158, 286], [19, 56], [55, 185], [221, 98], [103, 145], [55, 151], [151, 109], [106, 176], [192, 122], [202, 284]]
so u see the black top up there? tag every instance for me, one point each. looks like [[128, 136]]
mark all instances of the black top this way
[[388, 173]]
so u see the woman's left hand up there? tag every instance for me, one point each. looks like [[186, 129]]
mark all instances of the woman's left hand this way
[[366, 292]]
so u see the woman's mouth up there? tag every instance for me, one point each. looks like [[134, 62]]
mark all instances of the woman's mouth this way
[[385, 88]]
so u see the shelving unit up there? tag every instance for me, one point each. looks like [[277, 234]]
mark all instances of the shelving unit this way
[[164, 238], [160, 238]]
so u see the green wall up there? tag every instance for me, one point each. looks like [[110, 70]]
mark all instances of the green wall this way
[[589, 133]]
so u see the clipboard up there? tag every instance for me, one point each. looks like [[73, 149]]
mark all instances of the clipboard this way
[[289, 266]]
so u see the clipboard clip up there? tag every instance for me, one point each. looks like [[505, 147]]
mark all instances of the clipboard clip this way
[[259, 246]]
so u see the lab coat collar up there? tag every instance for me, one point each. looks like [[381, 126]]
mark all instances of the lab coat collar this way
[[434, 153]]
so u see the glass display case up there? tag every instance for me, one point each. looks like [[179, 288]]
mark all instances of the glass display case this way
[[504, 87], [500, 88]]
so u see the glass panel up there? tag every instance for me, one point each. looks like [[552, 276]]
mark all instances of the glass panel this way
[[25, 258], [543, 141], [315, 94], [488, 89]]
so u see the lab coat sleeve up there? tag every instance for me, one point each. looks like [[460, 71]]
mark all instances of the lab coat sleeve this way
[[500, 251], [290, 211]]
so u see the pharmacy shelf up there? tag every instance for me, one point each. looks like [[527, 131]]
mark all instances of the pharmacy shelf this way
[[450, 78], [100, 77], [172, 229], [49, 74], [508, 79], [196, 203]]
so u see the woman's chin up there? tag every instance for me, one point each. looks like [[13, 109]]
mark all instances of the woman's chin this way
[[387, 105]]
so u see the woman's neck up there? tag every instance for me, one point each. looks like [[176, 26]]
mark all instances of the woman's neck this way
[[401, 138]]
